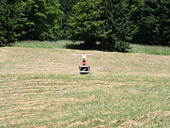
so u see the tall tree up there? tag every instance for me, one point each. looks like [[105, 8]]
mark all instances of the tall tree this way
[[155, 23], [135, 8], [106, 21], [41, 20], [9, 16], [67, 7], [3, 19], [85, 23], [117, 26]]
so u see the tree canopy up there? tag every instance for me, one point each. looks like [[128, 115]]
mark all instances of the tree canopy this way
[[113, 24]]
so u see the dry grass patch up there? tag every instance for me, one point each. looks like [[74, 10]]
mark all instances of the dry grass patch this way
[[43, 88], [59, 61], [86, 123], [153, 115]]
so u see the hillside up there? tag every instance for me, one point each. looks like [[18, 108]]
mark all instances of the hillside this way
[[42, 87], [64, 61]]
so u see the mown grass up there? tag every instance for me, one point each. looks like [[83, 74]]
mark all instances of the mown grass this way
[[153, 50], [42, 87], [84, 101]]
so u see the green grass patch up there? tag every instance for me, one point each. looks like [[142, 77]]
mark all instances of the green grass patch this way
[[44, 44], [153, 50]]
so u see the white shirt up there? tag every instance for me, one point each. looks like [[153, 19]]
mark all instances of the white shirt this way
[[84, 56]]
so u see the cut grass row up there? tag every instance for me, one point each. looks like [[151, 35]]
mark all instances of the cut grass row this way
[[41, 87], [153, 50], [84, 101]]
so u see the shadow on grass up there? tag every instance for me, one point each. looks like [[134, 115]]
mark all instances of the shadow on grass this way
[[2, 45], [95, 47], [80, 47]]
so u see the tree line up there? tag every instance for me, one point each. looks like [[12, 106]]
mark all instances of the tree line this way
[[101, 24]]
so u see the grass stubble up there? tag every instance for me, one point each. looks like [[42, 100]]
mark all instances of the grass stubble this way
[[43, 88]]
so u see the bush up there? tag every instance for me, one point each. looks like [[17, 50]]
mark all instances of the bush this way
[[122, 46]]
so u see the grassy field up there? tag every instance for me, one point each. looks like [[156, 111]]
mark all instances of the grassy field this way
[[66, 44], [153, 50], [42, 87]]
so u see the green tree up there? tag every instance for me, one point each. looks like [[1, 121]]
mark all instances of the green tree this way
[[106, 21], [155, 23], [3, 18], [117, 25], [67, 8], [85, 23], [41, 20], [9, 16], [135, 8]]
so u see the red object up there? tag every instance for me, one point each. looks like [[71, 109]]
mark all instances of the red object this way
[[84, 63]]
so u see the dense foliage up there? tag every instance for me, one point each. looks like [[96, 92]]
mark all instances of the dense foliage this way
[[113, 24], [106, 22], [41, 20], [85, 23], [66, 7], [29, 20], [117, 30], [155, 23], [9, 17]]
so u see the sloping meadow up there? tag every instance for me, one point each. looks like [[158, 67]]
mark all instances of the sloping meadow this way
[[42, 87]]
